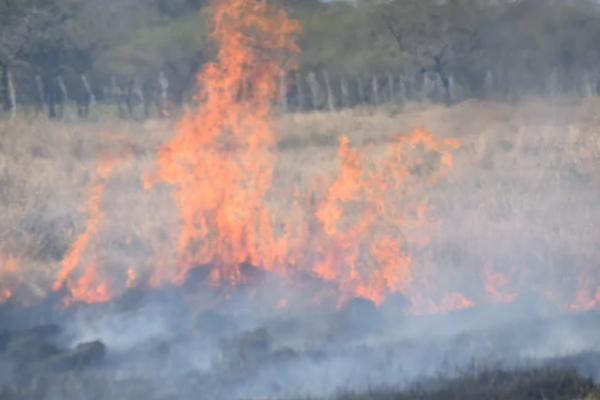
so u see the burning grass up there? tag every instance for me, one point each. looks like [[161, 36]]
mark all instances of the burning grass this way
[[192, 234], [519, 199], [382, 216], [358, 231], [514, 216]]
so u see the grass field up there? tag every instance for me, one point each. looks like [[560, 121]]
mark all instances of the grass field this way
[[523, 189], [521, 196]]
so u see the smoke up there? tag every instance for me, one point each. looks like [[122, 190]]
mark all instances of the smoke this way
[[168, 349]]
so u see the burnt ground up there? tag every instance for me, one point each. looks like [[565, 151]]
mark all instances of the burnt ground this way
[[158, 344]]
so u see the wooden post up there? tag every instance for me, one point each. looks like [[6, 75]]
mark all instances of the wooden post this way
[[391, 88], [588, 92], [91, 99], [489, 84], [451, 90], [300, 92], [41, 95], [361, 91], [426, 90], [12, 93], [330, 95], [314, 89], [345, 93], [164, 96], [375, 90]]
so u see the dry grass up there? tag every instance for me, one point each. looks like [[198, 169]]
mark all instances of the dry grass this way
[[523, 190]]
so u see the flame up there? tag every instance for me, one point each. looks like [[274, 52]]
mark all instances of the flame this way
[[91, 286], [363, 233], [221, 160], [5, 295], [587, 295], [501, 288], [455, 301], [131, 277], [371, 219], [359, 225], [10, 277], [358, 234]]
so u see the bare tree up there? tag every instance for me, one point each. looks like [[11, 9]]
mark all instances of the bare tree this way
[[437, 36]]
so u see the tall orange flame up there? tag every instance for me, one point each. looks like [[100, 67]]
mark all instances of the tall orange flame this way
[[221, 160], [358, 234]]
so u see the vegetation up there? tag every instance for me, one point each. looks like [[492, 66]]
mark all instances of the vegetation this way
[[517, 47], [522, 192], [522, 186]]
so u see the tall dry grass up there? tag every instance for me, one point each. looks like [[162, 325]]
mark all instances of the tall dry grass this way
[[523, 191]]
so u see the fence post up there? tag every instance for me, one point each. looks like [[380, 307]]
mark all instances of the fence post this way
[[375, 89], [300, 91], [361, 91], [587, 84], [41, 95], [489, 84], [314, 89], [391, 88], [330, 95], [164, 96], [451, 90], [12, 93], [91, 99], [345, 93]]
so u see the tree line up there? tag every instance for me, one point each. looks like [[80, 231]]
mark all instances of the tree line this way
[[144, 54]]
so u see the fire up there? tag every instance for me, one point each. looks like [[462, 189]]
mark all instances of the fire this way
[[131, 277], [371, 251], [10, 277], [6, 295], [500, 287], [455, 301], [221, 160], [91, 286], [364, 232], [587, 295]]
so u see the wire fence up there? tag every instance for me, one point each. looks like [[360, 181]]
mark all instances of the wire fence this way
[[79, 98]]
